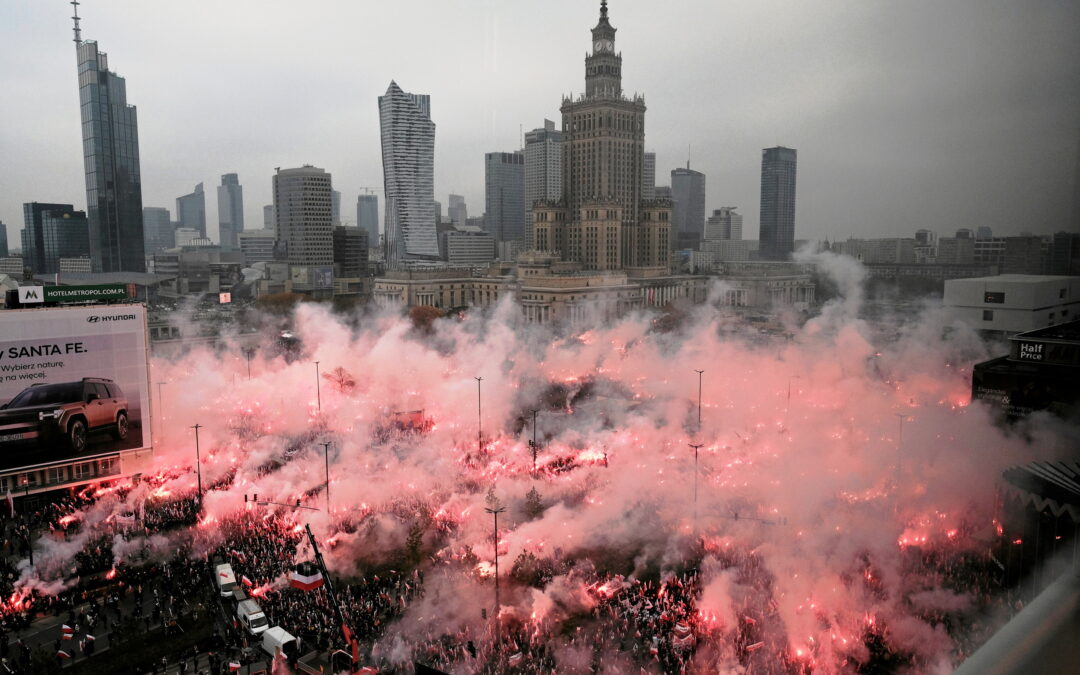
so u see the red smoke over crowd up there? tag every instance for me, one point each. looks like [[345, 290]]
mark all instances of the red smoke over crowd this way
[[835, 507]]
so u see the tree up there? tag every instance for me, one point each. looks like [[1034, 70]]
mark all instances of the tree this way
[[341, 379], [424, 316], [279, 303], [534, 504]]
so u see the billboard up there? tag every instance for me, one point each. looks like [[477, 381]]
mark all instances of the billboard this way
[[74, 382]]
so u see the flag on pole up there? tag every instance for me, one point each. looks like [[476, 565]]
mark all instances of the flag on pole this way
[[306, 577]]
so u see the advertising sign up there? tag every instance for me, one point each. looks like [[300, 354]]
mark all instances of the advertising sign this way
[[97, 293], [31, 295], [322, 278], [73, 382]]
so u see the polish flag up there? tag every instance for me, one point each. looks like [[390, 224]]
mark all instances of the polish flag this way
[[62, 654], [234, 666], [66, 629], [244, 580]]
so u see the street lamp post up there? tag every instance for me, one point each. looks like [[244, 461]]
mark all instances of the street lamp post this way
[[790, 378], [699, 374], [899, 447], [326, 455], [479, 419], [495, 512], [696, 447], [198, 460], [534, 446], [318, 387], [248, 353]]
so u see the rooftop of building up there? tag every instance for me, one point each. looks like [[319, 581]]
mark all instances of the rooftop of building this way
[[1021, 278], [78, 279], [1069, 332]]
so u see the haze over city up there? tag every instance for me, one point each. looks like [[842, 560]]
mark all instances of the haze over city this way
[[909, 115]]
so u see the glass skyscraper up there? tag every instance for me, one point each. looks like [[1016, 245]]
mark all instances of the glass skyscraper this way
[[408, 152], [110, 136], [504, 195], [230, 205], [777, 229]]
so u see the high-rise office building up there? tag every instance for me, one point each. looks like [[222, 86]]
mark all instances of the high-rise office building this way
[[777, 227], [688, 215], [110, 135], [504, 195], [601, 219], [159, 233], [648, 176], [304, 234], [543, 169], [724, 224], [457, 211], [268, 217], [51, 232], [191, 210], [408, 152], [230, 205], [350, 252], [335, 207], [257, 246], [3, 240], [367, 217]]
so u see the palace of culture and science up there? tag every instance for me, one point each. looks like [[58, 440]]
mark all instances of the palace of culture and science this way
[[602, 249]]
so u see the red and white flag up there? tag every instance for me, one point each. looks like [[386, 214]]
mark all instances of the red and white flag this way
[[247, 582], [306, 577], [90, 638], [62, 654], [66, 629], [234, 666]]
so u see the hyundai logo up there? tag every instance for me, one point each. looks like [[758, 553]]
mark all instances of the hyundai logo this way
[[93, 319]]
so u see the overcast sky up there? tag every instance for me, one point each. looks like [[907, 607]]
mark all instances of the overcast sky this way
[[906, 114]]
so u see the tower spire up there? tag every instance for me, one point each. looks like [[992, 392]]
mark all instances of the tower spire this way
[[603, 9], [77, 30]]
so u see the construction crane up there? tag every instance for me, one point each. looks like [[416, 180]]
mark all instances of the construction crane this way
[[350, 639]]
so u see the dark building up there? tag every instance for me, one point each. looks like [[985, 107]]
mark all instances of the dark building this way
[[367, 217], [110, 134], [1023, 255], [51, 232], [1041, 372], [3, 240], [504, 195], [350, 252], [1065, 254], [159, 232], [191, 210], [688, 209], [230, 204], [777, 228]]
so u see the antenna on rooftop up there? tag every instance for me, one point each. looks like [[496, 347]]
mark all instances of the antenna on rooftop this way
[[78, 31]]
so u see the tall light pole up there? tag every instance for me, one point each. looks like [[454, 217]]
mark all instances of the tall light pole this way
[[326, 455], [248, 353], [495, 512], [696, 447], [534, 446], [318, 387], [790, 378], [899, 447], [699, 374], [479, 420], [198, 460]]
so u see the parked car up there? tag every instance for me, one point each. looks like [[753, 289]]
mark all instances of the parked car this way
[[65, 412]]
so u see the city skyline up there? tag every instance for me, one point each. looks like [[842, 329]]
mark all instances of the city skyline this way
[[889, 100]]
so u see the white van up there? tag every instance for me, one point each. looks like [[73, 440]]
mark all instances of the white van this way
[[225, 579], [251, 617], [278, 639]]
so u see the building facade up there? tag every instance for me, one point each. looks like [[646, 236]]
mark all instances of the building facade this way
[[159, 233], [191, 210], [1013, 303], [257, 246], [408, 153], [724, 224], [3, 240], [777, 227], [504, 196], [110, 134], [230, 204], [688, 210], [350, 252], [601, 219], [543, 169], [648, 176], [52, 232], [304, 234], [269, 217], [457, 211], [367, 217]]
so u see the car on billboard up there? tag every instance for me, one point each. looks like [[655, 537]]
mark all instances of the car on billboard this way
[[66, 412]]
